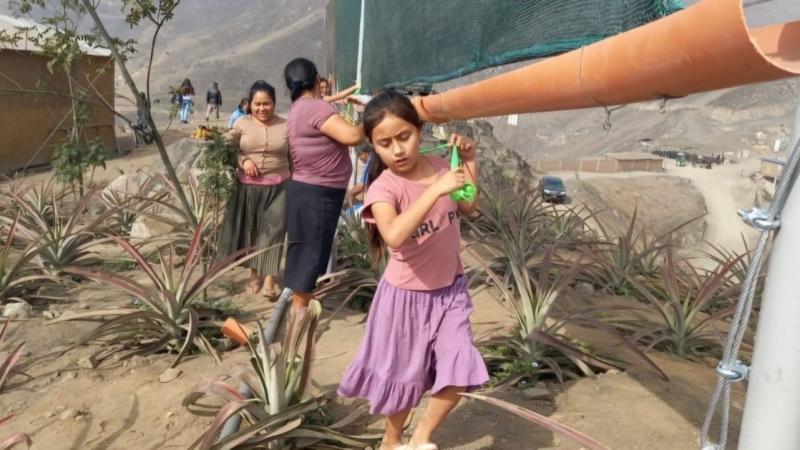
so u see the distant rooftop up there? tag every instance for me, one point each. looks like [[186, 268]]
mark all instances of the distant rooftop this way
[[775, 161], [29, 29], [632, 156]]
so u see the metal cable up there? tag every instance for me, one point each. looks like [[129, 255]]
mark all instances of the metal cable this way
[[730, 369]]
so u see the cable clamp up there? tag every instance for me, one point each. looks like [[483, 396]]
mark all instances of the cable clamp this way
[[759, 218], [734, 371]]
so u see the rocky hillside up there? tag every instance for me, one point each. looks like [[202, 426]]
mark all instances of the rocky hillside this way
[[234, 42]]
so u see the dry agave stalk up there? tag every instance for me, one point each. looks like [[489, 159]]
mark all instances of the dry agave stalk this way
[[169, 318], [278, 414], [680, 300], [13, 357]]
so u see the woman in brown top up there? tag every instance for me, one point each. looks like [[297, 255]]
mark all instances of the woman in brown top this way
[[254, 217]]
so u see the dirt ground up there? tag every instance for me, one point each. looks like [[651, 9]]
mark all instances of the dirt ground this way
[[64, 404]]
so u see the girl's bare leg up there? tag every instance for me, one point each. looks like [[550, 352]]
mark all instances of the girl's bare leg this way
[[393, 435], [438, 408]]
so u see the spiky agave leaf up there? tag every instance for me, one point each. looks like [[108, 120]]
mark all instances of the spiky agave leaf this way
[[13, 357], [16, 274], [542, 421]]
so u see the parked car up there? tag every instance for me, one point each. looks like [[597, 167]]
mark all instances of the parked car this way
[[552, 189]]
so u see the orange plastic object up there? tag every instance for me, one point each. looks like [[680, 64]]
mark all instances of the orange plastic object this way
[[701, 48], [235, 331]]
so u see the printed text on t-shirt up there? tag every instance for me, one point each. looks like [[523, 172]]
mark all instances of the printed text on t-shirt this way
[[428, 227]]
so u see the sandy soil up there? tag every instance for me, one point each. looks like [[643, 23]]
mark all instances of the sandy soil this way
[[123, 405]]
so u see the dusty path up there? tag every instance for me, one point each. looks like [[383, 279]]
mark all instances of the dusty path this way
[[726, 189]]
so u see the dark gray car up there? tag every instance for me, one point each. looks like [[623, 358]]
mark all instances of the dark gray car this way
[[552, 189]]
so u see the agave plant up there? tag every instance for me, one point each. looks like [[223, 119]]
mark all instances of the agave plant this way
[[538, 346], [679, 300], [280, 415], [127, 204], [617, 257], [15, 274], [168, 317], [40, 196], [63, 238], [204, 205], [13, 357], [568, 224], [515, 254], [719, 256]]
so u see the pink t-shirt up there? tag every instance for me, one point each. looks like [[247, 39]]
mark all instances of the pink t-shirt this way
[[316, 158], [430, 258]]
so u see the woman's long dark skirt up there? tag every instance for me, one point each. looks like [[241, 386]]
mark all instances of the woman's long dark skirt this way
[[312, 213], [255, 218]]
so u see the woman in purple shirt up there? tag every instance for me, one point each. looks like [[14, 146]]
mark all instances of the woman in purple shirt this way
[[318, 141]]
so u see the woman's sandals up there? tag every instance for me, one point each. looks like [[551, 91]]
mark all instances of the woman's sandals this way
[[253, 286], [271, 294]]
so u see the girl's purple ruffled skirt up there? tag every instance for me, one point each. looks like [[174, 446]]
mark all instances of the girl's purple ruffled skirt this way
[[415, 341]]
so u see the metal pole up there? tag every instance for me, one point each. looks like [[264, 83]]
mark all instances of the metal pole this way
[[772, 406], [360, 44]]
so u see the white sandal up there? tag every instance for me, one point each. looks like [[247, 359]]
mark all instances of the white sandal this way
[[426, 446]]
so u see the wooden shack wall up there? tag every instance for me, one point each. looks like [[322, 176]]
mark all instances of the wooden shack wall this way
[[33, 123]]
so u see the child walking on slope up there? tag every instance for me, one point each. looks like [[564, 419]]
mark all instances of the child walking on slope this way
[[418, 335]]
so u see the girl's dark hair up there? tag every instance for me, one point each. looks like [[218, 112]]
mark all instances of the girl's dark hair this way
[[186, 87], [300, 75], [259, 86], [389, 102]]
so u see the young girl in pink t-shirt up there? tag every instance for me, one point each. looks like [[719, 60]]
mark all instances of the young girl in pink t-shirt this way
[[418, 335]]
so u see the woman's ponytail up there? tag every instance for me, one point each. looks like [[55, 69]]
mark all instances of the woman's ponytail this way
[[300, 76]]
